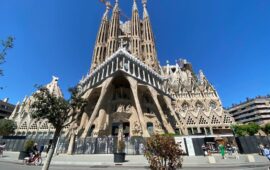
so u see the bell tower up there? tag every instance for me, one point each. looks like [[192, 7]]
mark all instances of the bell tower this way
[[99, 53]]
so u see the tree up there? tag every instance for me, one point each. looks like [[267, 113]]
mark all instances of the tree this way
[[246, 129], [7, 127], [6, 45], [239, 130], [58, 111], [266, 128], [252, 128], [163, 153]]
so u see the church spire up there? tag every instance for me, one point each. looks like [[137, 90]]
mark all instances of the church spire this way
[[135, 31], [149, 48], [145, 12], [114, 31], [102, 36]]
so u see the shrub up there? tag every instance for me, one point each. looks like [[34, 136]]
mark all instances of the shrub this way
[[163, 153], [266, 128], [121, 146], [28, 145]]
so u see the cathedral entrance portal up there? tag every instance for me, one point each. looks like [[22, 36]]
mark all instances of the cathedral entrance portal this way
[[126, 128]]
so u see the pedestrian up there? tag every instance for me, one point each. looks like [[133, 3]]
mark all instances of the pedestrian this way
[[137, 147], [235, 151], [141, 148], [222, 150], [204, 150], [260, 147], [266, 152], [35, 149], [229, 149], [2, 147], [41, 149]]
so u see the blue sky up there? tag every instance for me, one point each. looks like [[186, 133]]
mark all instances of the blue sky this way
[[229, 40]]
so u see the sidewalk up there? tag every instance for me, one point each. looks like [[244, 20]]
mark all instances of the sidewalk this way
[[140, 161]]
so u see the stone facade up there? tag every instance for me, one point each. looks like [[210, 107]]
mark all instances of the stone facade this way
[[127, 87], [26, 125], [195, 100]]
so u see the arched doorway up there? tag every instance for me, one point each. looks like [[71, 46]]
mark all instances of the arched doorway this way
[[121, 106]]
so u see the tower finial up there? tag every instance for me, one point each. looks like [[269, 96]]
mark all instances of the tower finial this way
[[116, 5], [135, 5], [145, 13], [108, 5], [144, 2]]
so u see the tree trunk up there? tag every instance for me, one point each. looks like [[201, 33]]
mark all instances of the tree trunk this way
[[51, 151], [71, 145]]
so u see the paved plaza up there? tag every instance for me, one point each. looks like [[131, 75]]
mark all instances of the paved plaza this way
[[105, 161], [16, 166]]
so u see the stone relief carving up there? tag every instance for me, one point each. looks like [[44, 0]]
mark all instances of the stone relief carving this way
[[185, 107], [129, 108], [120, 108], [124, 108], [158, 127], [149, 61], [137, 130]]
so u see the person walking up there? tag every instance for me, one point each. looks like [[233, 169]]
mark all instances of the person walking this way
[[229, 149], [260, 147], [2, 147], [235, 151], [204, 150], [266, 152], [222, 150]]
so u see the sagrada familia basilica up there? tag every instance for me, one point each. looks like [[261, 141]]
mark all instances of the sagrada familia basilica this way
[[127, 87]]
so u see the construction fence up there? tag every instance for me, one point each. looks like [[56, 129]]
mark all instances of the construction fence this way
[[134, 145]]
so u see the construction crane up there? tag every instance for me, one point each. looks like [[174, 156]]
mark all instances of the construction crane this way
[[108, 4]]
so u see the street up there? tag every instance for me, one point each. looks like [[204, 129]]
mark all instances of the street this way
[[12, 166]]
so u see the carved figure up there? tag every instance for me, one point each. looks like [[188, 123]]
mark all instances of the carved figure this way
[[137, 128], [120, 108], [157, 125], [128, 108]]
